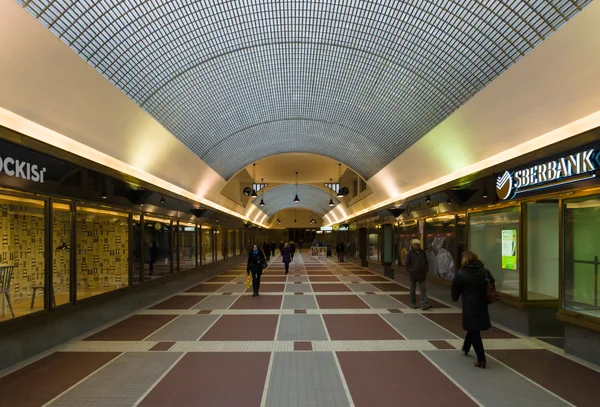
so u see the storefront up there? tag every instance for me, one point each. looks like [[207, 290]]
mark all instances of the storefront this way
[[84, 231]]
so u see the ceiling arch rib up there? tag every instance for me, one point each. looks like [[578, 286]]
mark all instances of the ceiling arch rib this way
[[282, 197], [390, 71]]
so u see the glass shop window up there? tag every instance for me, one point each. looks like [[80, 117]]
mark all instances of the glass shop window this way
[[61, 258], [187, 246], [102, 251], [494, 237], [207, 245], [440, 246], [158, 247], [22, 251], [581, 245], [542, 250], [407, 231]]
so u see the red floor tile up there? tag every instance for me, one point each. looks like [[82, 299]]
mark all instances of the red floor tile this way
[[134, 328], [212, 379], [299, 346], [273, 279], [324, 279], [299, 311], [218, 279], [391, 379], [453, 323], [374, 278], [575, 383], [270, 288], [242, 328], [442, 345], [340, 302], [38, 383], [405, 299], [162, 346], [395, 311], [204, 311], [262, 302], [180, 302], [389, 286], [205, 288], [330, 288], [368, 327], [231, 273]]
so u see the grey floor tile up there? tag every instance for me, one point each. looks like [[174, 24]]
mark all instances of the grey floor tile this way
[[216, 302], [184, 328], [382, 302], [305, 379], [298, 288], [414, 326], [362, 287], [494, 386], [301, 328], [121, 383], [299, 302], [300, 279]]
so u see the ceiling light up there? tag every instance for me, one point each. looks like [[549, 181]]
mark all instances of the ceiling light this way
[[278, 221], [296, 199], [295, 221], [331, 202], [253, 194], [103, 195], [262, 203], [428, 199], [484, 195], [162, 200], [449, 201]]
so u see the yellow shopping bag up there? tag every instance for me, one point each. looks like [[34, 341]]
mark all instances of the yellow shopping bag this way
[[248, 281]]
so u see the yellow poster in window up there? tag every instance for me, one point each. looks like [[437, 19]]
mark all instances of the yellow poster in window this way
[[509, 249]]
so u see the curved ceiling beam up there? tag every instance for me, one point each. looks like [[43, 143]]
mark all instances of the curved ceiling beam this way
[[282, 197], [390, 71]]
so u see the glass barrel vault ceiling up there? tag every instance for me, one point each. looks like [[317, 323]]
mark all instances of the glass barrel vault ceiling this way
[[358, 81]]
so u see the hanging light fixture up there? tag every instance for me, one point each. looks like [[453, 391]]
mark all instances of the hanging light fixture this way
[[162, 200], [339, 191], [484, 195], [296, 199], [331, 204], [295, 221], [262, 201], [253, 195], [428, 199], [449, 201]]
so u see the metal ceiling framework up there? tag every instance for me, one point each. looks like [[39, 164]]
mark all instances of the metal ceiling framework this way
[[282, 197], [357, 81]]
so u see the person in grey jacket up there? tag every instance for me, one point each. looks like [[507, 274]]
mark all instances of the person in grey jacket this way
[[417, 266]]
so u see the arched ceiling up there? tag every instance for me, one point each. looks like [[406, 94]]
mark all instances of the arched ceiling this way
[[282, 197], [358, 81]]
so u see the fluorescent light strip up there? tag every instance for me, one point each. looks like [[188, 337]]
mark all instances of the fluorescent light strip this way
[[577, 127], [33, 130]]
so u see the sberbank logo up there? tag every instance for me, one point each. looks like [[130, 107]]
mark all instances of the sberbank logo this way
[[22, 169], [561, 171]]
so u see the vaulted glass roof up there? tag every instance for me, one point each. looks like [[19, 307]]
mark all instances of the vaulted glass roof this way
[[282, 197], [358, 81]]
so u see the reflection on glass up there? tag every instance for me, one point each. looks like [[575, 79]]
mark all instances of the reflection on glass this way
[[61, 258], [21, 256], [439, 245], [157, 247], [207, 245], [542, 259], [187, 248], [582, 255], [493, 235], [136, 254], [238, 242], [102, 251], [231, 243]]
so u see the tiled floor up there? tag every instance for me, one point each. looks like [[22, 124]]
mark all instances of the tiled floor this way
[[327, 334]]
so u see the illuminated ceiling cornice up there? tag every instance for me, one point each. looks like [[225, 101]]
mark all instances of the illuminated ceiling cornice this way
[[236, 81]]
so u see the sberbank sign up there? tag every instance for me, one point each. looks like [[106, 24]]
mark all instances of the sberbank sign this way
[[22, 169], [563, 170]]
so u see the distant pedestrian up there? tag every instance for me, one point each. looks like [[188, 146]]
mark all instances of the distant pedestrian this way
[[471, 282], [267, 250], [417, 266], [340, 249], [273, 247], [293, 249], [256, 263], [300, 246], [286, 257], [281, 246]]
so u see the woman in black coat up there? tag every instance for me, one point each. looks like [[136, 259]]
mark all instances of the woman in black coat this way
[[286, 257], [267, 250], [470, 282], [256, 261]]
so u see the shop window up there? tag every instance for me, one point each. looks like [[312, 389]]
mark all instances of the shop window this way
[[207, 245], [157, 247], [231, 243], [373, 244], [238, 242], [440, 246], [542, 259], [21, 256], [137, 248], [102, 251], [61, 257], [494, 236], [220, 243], [187, 246], [407, 231], [581, 245]]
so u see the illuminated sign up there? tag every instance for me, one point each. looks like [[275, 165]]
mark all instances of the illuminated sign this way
[[326, 228], [22, 169], [343, 228], [563, 170]]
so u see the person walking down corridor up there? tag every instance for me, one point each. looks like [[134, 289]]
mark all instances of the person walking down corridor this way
[[286, 255], [417, 266], [471, 283], [281, 246], [300, 246], [267, 250], [256, 263], [292, 249], [341, 248], [273, 248]]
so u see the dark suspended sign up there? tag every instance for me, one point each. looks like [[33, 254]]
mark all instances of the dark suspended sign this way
[[566, 169]]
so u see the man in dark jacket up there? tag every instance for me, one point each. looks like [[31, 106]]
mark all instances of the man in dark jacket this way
[[417, 266]]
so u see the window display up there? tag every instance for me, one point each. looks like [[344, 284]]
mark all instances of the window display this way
[[21, 256], [102, 251], [61, 257], [542, 259], [440, 244], [158, 243], [581, 245], [488, 238], [187, 246]]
